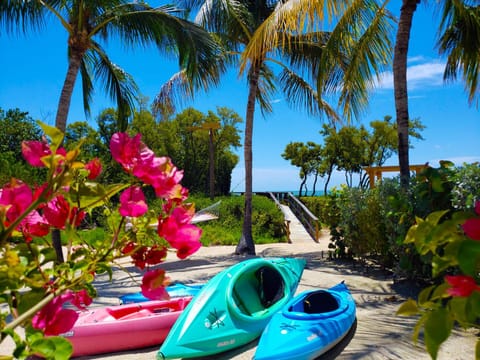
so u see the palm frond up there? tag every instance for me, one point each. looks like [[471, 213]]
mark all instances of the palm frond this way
[[459, 39], [266, 89], [301, 95], [174, 92], [21, 16], [291, 17], [369, 54], [119, 85], [87, 85]]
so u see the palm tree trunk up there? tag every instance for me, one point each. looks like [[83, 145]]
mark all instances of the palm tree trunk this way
[[246, 244], [400, 86], [61, 123]]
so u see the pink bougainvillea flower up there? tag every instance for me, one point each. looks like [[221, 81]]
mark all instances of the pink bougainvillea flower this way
[[186, 248], [155, 255], [153, 285], [461, 285], [128, 248], [53, 319], [138, 257], [33, 151], [58, 212], [180, 233], [17, 196], [132, 202], [34, 225], [94, 167], [129, 151], [471, 227], [81, 299]]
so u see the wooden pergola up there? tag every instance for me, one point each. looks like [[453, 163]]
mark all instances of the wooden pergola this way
[[375, 172]]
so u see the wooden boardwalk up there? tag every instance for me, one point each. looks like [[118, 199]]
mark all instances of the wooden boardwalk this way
[[298, 233]]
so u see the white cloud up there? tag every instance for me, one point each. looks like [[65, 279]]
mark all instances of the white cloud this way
[[418, 76], [458, 160]]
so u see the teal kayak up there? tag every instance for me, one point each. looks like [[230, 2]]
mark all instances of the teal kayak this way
[[233, 308], [309, 325]]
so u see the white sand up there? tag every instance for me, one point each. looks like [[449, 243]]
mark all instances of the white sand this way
[[380, 334]]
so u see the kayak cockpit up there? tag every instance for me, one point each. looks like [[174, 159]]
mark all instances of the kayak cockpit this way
[[256, 291]]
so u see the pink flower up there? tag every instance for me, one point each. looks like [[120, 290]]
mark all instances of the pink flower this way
[[34, 151], [139, 160], [58, 212], [132, 202], [129, 152], [153, 285], [179, 232], [18, 197], [461, 285], [94, 167], [34, 225], [471, 227], [53, 319]]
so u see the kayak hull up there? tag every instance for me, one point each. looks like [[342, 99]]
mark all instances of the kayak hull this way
[[233, 308], [310, 324], [124, 327]]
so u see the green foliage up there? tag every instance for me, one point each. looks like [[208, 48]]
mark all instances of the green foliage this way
[[441, 236], [267, 221], [16, 126], [466, 190]]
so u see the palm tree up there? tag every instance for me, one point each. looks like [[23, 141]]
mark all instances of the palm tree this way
[[400, 86], [133, 24], [252, 33], [459, 38]]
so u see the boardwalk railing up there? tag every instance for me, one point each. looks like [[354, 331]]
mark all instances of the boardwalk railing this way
[[304, 215]]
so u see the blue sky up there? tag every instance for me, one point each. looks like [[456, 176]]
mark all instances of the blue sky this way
[[34, 66]]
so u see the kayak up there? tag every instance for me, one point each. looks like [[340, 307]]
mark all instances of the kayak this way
[[233, 308], [312, 323], [124, 327], [175, 290]]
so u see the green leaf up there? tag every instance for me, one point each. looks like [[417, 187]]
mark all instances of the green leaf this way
[[55, 348], [469, 257], [435, 217], [424, 295], [55, 135], [438, 326], [408, 308]]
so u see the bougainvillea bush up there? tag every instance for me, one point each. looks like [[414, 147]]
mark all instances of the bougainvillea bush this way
[[34, 285], [452, 239]]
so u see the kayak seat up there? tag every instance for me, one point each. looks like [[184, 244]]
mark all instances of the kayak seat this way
[[245, 295], [271, 285], [319, 302]]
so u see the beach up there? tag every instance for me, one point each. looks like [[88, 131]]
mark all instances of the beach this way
[[380, 333]]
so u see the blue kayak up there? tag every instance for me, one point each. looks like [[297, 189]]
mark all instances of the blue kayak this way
[[175, 290], [233, 308], [309, 325]]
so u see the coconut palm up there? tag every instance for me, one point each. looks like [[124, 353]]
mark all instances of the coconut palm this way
[[459, 36], [131, 23], [252, 35]]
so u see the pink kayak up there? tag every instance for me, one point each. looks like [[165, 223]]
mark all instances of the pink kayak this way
[[124, 327]]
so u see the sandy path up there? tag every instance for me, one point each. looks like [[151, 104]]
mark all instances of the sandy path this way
[[380, 334]]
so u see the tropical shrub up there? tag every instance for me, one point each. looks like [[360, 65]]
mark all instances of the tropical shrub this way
[[466, 188], [452, 239]]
